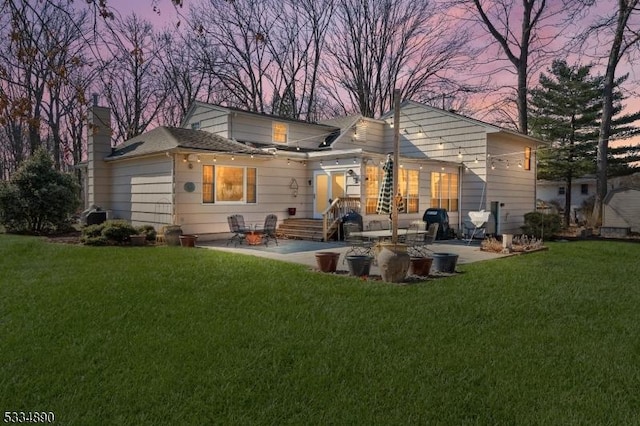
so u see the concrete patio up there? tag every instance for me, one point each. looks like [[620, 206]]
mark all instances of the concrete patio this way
[[303, 252]]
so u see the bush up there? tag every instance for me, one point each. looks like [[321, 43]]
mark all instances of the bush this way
[[38, 199], [149, 231], [109, 232], [541, 225], [118, 231]]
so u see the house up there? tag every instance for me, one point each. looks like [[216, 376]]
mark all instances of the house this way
[[552, 195], [224, 160], [621, 212]]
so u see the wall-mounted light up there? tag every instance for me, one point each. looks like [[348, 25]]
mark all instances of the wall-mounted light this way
[[233, 157], [288, 162], [337, 162], [459, 152], [184, 158], [215, 158]]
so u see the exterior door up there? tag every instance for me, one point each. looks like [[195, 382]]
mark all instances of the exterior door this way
[[328, 185]]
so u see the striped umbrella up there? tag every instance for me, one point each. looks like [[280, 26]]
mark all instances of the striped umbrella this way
[[385, 196]]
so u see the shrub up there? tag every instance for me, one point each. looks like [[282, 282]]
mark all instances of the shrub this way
[[92, 231], [38, 199], [118, 231], [149, 231], [541, 225]]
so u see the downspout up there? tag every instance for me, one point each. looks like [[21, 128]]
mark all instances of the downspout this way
[[174, 210], [460, 176]]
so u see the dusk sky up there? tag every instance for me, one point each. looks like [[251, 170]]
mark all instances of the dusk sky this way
[[169, 16]]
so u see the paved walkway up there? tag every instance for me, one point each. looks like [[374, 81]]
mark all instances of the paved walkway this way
[[303, 252]]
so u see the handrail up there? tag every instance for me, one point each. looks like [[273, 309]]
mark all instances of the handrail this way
[[338, 208]]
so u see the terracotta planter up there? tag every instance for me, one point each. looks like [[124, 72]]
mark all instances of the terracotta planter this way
[[393, 261], [138, 240], [188, 240], [172, 235], [420, 266], [359, 266], [327, 261], [444, 262]]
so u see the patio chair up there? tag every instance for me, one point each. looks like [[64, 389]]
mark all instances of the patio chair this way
[[375, 225], [237, 228], [358, 246], [418, 241], [269, 230]]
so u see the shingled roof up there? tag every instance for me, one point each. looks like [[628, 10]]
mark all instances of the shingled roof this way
[[162, 139]]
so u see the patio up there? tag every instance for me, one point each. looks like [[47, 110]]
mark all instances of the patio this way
[[303, 252]]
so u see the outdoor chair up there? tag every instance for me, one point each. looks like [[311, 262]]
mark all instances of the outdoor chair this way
[[269, 230], [237, 228], [418, 242], [375, 225], [358, 246]]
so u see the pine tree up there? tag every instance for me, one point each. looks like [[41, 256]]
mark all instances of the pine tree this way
[[565, 111]]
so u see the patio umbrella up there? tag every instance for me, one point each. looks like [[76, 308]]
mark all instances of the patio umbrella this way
[[385, 196]]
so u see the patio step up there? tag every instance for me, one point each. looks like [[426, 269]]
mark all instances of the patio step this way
[[301, 229]]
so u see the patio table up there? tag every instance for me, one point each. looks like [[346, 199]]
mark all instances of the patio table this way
[[380, 234]]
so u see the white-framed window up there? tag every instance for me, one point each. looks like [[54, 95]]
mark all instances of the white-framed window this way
[[409, 188], [280, 132], [561, 190], [228, 184], [444, 191]]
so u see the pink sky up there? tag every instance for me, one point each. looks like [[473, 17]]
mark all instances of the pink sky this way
[[169, 15]]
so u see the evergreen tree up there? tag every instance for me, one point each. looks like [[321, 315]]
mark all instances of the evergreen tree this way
[[565, 111]]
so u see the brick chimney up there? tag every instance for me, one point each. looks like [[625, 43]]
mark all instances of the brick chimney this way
[[98, 148]]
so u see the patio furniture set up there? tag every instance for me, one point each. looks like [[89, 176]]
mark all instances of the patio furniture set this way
[[252, 235]]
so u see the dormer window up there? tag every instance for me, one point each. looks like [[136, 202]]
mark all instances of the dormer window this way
[[280, 132], [195, 125]]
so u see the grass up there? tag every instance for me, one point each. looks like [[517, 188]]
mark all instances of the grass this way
[[151, 336]]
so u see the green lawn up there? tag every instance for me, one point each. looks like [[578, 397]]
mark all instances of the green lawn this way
[[151, 336]]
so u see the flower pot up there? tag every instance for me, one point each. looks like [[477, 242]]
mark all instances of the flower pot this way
[[138, 240], [393, 261], [420, 266], [444, 262], [359, 265], [292, 211], [327, 261], [188, 240], [172, 235]]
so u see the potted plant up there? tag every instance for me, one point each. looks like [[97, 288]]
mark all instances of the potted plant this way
[[327, 260], [292, 211], [172, 234], [393, 261], [359, 265], [188, 240], [420, 265]]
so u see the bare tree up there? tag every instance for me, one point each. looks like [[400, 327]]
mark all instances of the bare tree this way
[[377, 46], [184, 76], [236, 32], [621, 32], [43, 56], [296, 43], [526, 33], [130, 75]]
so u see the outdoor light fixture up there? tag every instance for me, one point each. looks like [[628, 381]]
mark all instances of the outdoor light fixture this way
[[459, 152], [214, 159], [184, 158], [476, 160], [337, 162], [288, 162], [440, 145]]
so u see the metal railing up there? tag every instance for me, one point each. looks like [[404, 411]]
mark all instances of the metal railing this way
[[335, 212]]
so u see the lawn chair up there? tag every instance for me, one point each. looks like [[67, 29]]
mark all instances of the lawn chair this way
[[237, 228], [269, 230], [358, 246]]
